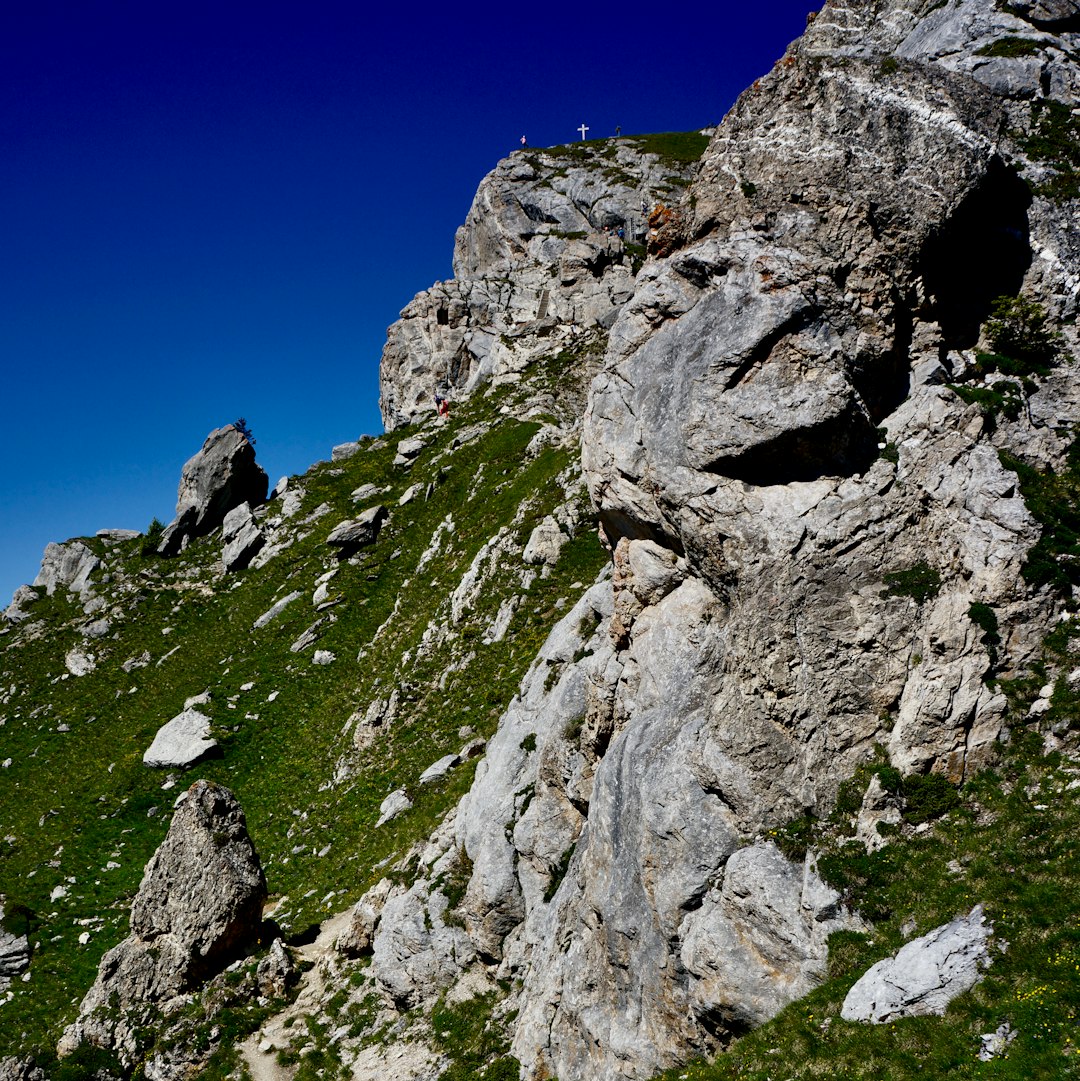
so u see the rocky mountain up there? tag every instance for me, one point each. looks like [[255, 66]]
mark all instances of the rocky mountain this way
[[548, 254], [635, 715]]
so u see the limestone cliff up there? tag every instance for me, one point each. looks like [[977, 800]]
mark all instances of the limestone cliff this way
[[808, 474], [773, 444], [546, 255]]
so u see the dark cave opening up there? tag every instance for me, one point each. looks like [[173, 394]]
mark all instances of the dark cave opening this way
[[981, 253], [840, 446]]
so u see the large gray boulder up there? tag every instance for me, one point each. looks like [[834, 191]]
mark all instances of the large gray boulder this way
[[241, 538], [925, 975], [359, 531], [199, 907], [221, 476], [183, 741]]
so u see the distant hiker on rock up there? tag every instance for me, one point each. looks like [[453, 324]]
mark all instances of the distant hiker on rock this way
[[524, 142], [442, 406]]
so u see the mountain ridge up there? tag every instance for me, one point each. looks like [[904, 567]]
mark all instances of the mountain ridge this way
[[828, 451]]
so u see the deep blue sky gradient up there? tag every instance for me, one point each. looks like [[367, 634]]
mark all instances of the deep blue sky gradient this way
[[211, 211]]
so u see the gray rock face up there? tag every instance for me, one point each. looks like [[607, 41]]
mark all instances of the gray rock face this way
[[419, 953], [14, 954], [241, 538], [199, 905], [69, 565], [359, 934], [221, 476], [16, 1069], [183, 741], [20, 599], [759, 939], [849, 227], [925, 976], [359, 531], [535, 264]]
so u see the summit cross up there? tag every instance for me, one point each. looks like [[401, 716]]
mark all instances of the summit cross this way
[[582, 129]]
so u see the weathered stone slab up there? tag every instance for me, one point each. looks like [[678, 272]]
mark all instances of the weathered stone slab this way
[[182, 741], [925, 975], [359, 531]]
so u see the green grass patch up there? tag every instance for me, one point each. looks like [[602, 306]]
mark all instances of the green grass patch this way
[[920, 581], [1054, 500], [1010, 47], [684, 147], [475, 1041], [1054, 138]]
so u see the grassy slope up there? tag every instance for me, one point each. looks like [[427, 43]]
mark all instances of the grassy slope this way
[[74, 801]]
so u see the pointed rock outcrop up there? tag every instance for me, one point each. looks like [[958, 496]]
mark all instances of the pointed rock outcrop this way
[[221, 476], [199, 906]]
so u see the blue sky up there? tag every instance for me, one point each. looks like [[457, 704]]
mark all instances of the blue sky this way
[[211, 211]]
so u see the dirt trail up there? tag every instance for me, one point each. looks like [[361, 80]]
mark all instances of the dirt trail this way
[[260, 1049]]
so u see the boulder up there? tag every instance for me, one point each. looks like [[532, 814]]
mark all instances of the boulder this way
[[109, 537], [14, 953], [199, 906], [408, 449], [69, 564], [397, 803], [344, 451], [276, 972], [926, 974], [276, 609], [183, 741], [242, 538], [79, 663], [545, 543], [437, 770], [309, 637], [221, 476], [356, 532], [366, 491]]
